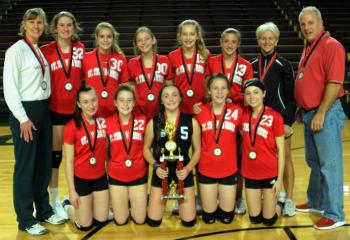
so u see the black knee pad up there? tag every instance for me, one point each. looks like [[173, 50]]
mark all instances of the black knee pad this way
[[257, 219], [98, 223], [225, 217], [209, 218], [270, 221], [56, 159], [121, 224], [189, 223], [84, 229], [153, 223]]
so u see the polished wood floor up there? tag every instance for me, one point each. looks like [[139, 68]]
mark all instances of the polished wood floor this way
[[298, 227]]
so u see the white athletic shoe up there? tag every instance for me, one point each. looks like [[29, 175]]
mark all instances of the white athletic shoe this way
[[55, 220], [289, 208], [58, 209], [240, 208], [37, 229], [281, 197]]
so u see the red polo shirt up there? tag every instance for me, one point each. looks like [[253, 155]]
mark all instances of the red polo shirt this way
[[325, 65]]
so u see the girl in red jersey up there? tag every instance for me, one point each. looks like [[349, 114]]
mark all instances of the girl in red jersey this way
[[237, 70], [64, 56], [127, 168], [230, 63], [149, 71], [189, 64], [186, 134], [105, 67], [262, 156], [218, 162], [85, 146]]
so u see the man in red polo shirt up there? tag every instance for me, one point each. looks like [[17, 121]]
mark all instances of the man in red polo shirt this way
[[318, 87]]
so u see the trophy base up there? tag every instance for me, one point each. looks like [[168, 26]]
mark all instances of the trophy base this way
[[173, 197]]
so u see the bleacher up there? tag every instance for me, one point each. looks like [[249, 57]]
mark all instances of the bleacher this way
[[163, 16]]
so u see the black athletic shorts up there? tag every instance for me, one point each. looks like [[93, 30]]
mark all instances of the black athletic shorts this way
[[140, 181], [85, 187], [260, 184], [60, 119], [229, 180]]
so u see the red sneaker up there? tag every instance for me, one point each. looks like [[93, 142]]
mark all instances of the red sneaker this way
[[327, 223], [306, 208]]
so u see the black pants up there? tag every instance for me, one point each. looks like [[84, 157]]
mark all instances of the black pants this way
[[33, 165]]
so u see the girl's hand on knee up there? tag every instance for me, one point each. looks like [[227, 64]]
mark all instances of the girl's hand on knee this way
[[74, 199], [277, 188]]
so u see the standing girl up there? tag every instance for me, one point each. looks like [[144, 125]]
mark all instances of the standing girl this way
[[262, 156], [218, 162], [127, 168], [230, 63], [105, 67], [189, 64], [64, 56], [85, 147], [187, 133], [149, 71]]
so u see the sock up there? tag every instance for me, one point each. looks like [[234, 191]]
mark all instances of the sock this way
[[54, 195]]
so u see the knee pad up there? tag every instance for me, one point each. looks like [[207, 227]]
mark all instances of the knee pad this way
[[56, 159], [98, 223], [189, 223], [120, 224], [209, 218], [81, 228], [257, 219], [270, 221], [153, 223], [225, 217]]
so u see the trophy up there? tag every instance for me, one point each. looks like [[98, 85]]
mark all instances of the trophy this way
[[173, 191]]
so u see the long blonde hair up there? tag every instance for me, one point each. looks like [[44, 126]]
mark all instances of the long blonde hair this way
[[145, 30], [200, 44], [116, 35]]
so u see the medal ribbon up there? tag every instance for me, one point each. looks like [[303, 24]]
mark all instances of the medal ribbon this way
[[308, 51], [36, 53], [176, 123], [233, 70], [216, 133], [58, 50], [130, 126], [252, 139], [104, 82], [150, 81], [189, 80], [263, 72], [92, 147]]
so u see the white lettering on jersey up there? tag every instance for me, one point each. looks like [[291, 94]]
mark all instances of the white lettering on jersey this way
[[96, 72], [207, 126], [199, 68], [261, 131], [117, 136], [141, 79]]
